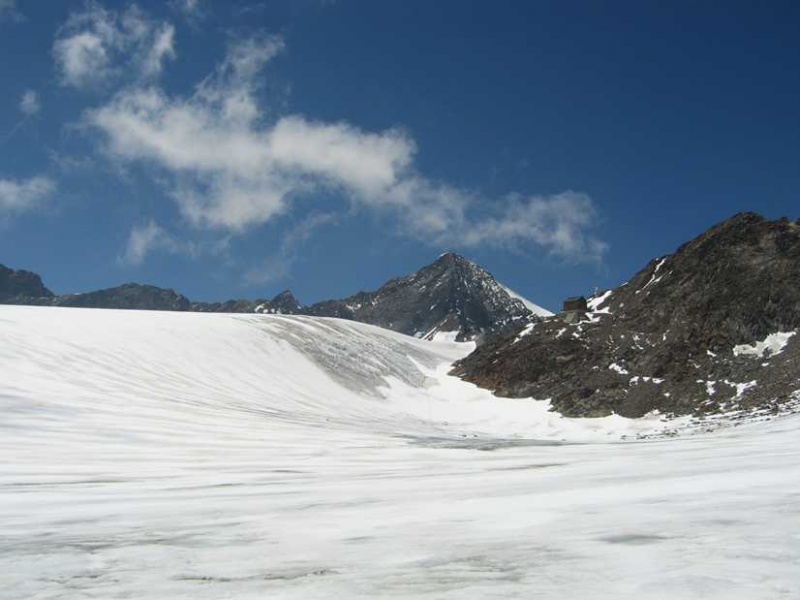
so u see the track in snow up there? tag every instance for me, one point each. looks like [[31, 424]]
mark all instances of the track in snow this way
[[163, 455]]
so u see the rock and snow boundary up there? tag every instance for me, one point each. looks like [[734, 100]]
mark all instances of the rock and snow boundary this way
[[298, 369]]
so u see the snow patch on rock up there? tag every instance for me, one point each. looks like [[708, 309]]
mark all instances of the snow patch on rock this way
[[772, 345]]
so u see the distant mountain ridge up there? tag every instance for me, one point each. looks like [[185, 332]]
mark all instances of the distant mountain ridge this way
[[709, 328], [451, 295]]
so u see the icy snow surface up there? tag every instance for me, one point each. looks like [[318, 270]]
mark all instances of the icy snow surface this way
[[534, 308], [200, 456], [447, 336]]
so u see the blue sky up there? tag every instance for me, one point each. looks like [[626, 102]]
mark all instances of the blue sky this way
[[234, 149]]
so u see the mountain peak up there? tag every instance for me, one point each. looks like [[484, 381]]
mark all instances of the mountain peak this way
[[452, 260], [286, 303], [452, 294], [450, 257]]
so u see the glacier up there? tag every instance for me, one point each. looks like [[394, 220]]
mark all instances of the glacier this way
[[182, 455]]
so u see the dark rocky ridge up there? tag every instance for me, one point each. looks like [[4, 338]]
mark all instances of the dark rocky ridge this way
[[128, 296], [21, 285], [284, 303], [451, 294], [665, 339]]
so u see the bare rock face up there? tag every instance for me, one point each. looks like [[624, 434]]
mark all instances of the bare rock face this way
[[452, 294], [709, 328]]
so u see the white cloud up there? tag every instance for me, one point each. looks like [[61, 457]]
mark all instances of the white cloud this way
[[369, 164], [558, 223], [23, 195], [97, 45], [29, 104], [231, 169], [163, 48], [211, 142], [151, 237]]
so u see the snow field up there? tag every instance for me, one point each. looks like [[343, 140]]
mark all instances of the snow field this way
[[162, 455]]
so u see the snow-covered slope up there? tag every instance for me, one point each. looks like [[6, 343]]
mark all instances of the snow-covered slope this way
[[534, 308], [177, 455]]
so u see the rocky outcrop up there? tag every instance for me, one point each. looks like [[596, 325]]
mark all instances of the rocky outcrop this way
[[709, 328], [18, 286]]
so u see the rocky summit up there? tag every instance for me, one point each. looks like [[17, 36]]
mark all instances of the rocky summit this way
[[21, 287], [452, 295], [710, 328], [127, 296]]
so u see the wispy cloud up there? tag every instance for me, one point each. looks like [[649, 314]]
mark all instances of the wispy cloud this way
[[557, 223], [9, 13], [97, 45], [150, 237], [142, 240], [278, 265], [186, 6], [30, 105], [230, 165], [194, 13], [17, 196]]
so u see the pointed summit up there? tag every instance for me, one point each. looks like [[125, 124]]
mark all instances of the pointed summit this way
[[451, 258], [286, 303], [451, 295]]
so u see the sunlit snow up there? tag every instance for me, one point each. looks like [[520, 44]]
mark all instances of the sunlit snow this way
[[596, 302], [770, 346], [534, 308], [164, 455]]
